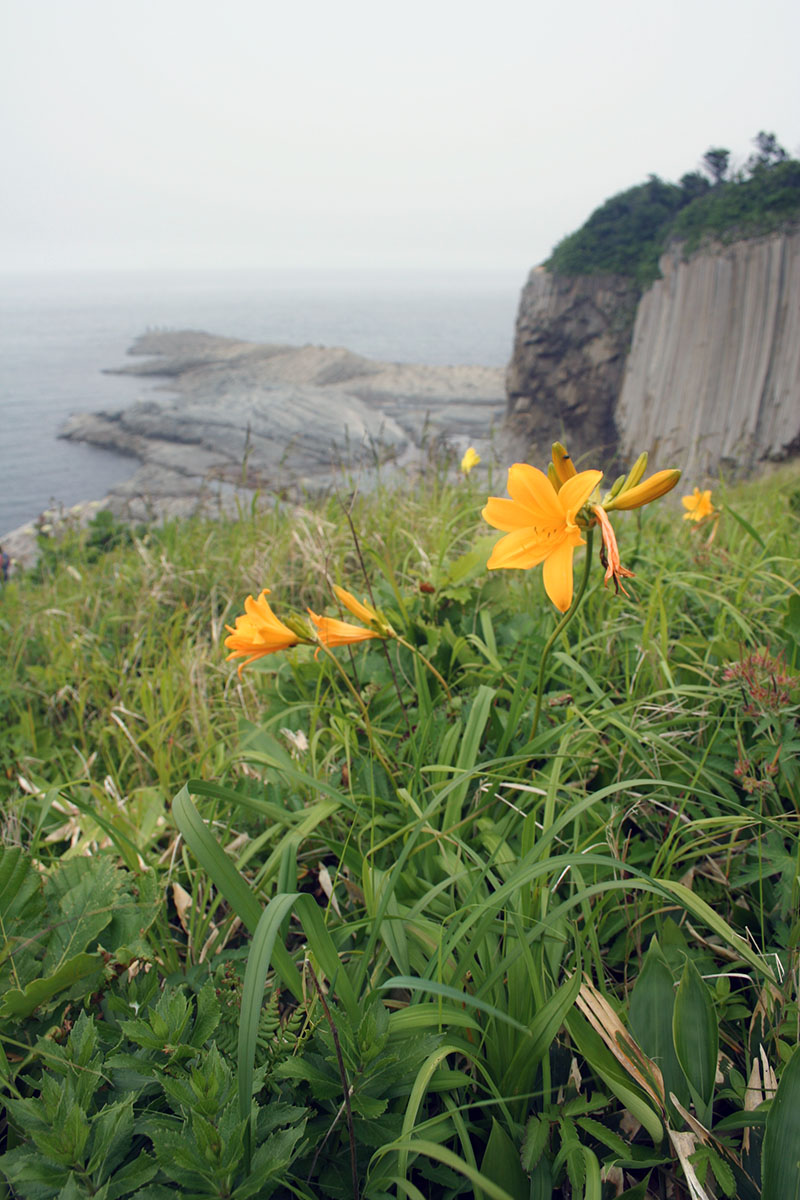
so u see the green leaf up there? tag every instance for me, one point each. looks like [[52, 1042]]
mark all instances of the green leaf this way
[[22, 1002], [502, 1165], [780, 1161], [258, 961], [696, 1036], [652, 1004], [468, 752], [612, 1075], [230, 882], [748, 528], [537, 1133], [81, 895], [694, 904]]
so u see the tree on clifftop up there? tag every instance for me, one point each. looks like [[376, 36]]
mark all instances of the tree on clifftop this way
[[715, 161], [768, 152]]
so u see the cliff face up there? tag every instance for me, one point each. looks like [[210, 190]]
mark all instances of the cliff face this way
[[572, 336], [706, 378], [712, 380]]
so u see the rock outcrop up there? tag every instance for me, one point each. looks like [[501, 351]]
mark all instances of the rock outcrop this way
[[703, 371], [712, 381], [572, 336], [278, 417]]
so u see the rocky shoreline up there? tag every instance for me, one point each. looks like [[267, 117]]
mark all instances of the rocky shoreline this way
[[228, 418]]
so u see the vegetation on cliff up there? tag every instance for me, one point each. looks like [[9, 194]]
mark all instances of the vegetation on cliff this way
[[628, 233]]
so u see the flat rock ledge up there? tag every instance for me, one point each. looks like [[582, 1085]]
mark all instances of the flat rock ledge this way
[[225, 418]]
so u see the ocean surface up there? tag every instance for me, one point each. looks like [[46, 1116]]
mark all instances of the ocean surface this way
[[59, 331]]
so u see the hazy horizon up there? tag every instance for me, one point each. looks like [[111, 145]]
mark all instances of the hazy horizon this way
[[440, 137]]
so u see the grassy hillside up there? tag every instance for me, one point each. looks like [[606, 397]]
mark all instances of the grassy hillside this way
[[349, 925]]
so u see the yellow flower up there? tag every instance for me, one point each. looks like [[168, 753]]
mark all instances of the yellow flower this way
[[332, 632], [698, 506], [471, 459], [540, 525], [258, 632]]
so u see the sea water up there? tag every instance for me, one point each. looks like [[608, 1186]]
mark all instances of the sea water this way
[[58, 332]]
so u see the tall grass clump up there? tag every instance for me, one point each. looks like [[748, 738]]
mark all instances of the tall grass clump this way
[[465, 883]]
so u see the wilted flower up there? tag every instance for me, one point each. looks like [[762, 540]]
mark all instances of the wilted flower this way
[[258, 632], [698, 506], [471, 459], [609, 556]]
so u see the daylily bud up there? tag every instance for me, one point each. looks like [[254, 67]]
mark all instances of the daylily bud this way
[[551, 475], [654, 487], [616, 487], [364, 612], [636, 472], [562, 464]]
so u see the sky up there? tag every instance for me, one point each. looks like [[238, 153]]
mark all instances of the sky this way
[[339, 134]]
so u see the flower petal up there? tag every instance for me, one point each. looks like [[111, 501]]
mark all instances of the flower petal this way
[[522, 548], [506, 514], [557, 574], [577, 490], [531, 488]]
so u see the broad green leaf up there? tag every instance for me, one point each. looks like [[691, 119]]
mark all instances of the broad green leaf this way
[[651, 1007], [501, 1164], [696, 1036], [780, 1160], [22, 1002], [81, 896]]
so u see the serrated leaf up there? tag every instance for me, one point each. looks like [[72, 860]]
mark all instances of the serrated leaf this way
[[537, 1132], [81, 896]]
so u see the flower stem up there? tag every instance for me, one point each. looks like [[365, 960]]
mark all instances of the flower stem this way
[[559, 629], [364, 714], [402, 642]]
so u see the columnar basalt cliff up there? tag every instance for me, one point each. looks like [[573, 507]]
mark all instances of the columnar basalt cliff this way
[[704, 372], [712, 381], [572, 337]]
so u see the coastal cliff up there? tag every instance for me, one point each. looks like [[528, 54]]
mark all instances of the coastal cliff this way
[[712, 380], [703, 372], [572, 336]]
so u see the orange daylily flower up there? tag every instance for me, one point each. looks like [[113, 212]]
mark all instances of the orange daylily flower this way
[[258, 632], [540, 526], [698, 506]]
